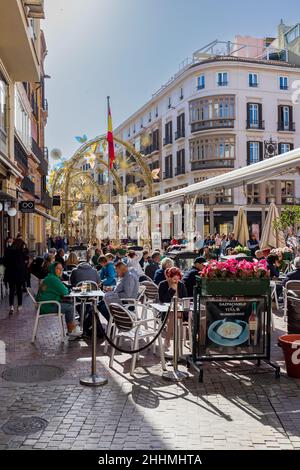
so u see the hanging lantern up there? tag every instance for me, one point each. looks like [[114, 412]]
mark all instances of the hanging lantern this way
[[12, 212]]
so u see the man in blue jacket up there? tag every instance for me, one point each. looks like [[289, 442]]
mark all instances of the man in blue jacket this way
[[107, 272]]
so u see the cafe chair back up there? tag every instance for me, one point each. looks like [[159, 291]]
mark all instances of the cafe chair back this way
[[127, 325], [293, 286], [57, 314], [151, 291]]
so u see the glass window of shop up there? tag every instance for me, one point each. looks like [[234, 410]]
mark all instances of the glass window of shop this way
[[253, 194]]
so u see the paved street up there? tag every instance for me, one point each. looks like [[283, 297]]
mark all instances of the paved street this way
[[235, 408]]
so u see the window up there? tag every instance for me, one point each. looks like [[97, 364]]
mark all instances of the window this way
[[181, 94], [287, 192], [285, 118], [224, 197], [149, 117], [169, 102], [283, 147], [155, 140], [180, 157], [212, 152], [168, 133], [253, 194], [134, 128], [201, 82], [212, 112], [128, 132], [283, 83], [3, 108], [156, 111], [254, 152], [293, 34], [254, 116], [141, 123], [168, 167], [22, 121], [222, 78], [253, 80], [180, 126]]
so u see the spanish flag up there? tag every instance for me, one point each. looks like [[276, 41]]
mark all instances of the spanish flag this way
[[110, 138]]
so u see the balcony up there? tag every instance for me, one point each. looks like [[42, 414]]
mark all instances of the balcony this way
[[253, 84], [256, 125], [227, 123], [16, 40], [179, 134], [36, 149], [284, 87], [168, 140], [210, 164], [35, 9], [28, 186], [286, 127], [46, 200], [223, 83], [20, 155], [168, 175], [180, 170]]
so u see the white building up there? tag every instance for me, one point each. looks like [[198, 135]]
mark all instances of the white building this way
[[218, 113]]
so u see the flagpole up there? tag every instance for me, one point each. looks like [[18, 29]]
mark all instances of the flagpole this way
[[109, 180]]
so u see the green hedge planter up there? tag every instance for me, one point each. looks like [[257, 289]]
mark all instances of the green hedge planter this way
[[231, 287]]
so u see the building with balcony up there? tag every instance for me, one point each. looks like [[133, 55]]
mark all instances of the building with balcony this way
[[23, 114], [220, 112]]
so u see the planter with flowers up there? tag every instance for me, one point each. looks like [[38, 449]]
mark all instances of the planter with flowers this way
[[234, 278]]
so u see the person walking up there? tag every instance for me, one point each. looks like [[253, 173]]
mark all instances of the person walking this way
[[15, 272]]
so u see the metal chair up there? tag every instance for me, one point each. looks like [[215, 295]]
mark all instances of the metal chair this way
[[127, 302], [39, 316], [289, 286], [83, 302], [126, 325]]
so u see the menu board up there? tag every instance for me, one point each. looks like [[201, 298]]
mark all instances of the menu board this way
[[233, 327]]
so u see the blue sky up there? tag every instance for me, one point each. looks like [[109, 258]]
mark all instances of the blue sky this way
[[128, 48]]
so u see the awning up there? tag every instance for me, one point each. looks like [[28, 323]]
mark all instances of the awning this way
[[47, 216], [256, 173]]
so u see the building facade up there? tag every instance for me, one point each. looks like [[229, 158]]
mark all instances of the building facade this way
[[219, 113], [23, 116]]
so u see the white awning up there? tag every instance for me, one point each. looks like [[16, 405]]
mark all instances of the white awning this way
[[256, 173], [47, 216]]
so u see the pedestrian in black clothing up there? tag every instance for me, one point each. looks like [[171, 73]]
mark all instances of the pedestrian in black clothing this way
[[60, 257], [15, 272], [153, 265], [189, 278]]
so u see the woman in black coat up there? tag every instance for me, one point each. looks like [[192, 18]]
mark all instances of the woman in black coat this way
[[15, 272]]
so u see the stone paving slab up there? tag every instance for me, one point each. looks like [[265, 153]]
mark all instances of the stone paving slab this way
[[238, 406]]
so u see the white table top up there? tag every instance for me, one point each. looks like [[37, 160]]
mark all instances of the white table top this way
[[93, 293], [162, 308]]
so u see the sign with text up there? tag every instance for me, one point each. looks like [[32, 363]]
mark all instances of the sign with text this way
[[233, 327], [27, 207]]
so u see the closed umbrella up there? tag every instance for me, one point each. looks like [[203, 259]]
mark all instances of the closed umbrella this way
[[240, 230], [270, 237]]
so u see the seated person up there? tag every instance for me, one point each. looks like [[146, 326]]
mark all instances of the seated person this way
[[48, 260], [293, 275], [128, 288], [153, 265], [253, 244], [259, 254], [95, 258], [160, 274], [107, 272], [166, 292], [60, 257], [133, 262], [71, 261], [189, 278], [84, 272], [52, 288], [273, 263]]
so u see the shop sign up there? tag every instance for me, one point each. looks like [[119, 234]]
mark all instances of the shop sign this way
[[27, 207]]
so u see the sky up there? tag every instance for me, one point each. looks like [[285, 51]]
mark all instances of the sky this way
[[128, 48]]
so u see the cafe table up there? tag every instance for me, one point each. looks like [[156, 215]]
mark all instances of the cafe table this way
[[93, 297]]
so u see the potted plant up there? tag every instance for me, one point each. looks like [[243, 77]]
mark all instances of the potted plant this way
[[234, 277]]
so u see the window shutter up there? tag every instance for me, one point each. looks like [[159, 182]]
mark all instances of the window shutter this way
[[279, 148], [248, 115], [261, 151], [260, 115], [248, 153], [292, 146], [291, 115], [280, 120]]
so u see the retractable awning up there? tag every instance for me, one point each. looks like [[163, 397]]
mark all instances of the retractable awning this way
[[256, 173], [47, 216]]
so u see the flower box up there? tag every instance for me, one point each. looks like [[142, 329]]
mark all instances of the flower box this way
[[230, 287]]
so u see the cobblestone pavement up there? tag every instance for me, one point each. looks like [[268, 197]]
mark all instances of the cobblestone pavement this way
[[238, 406]]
